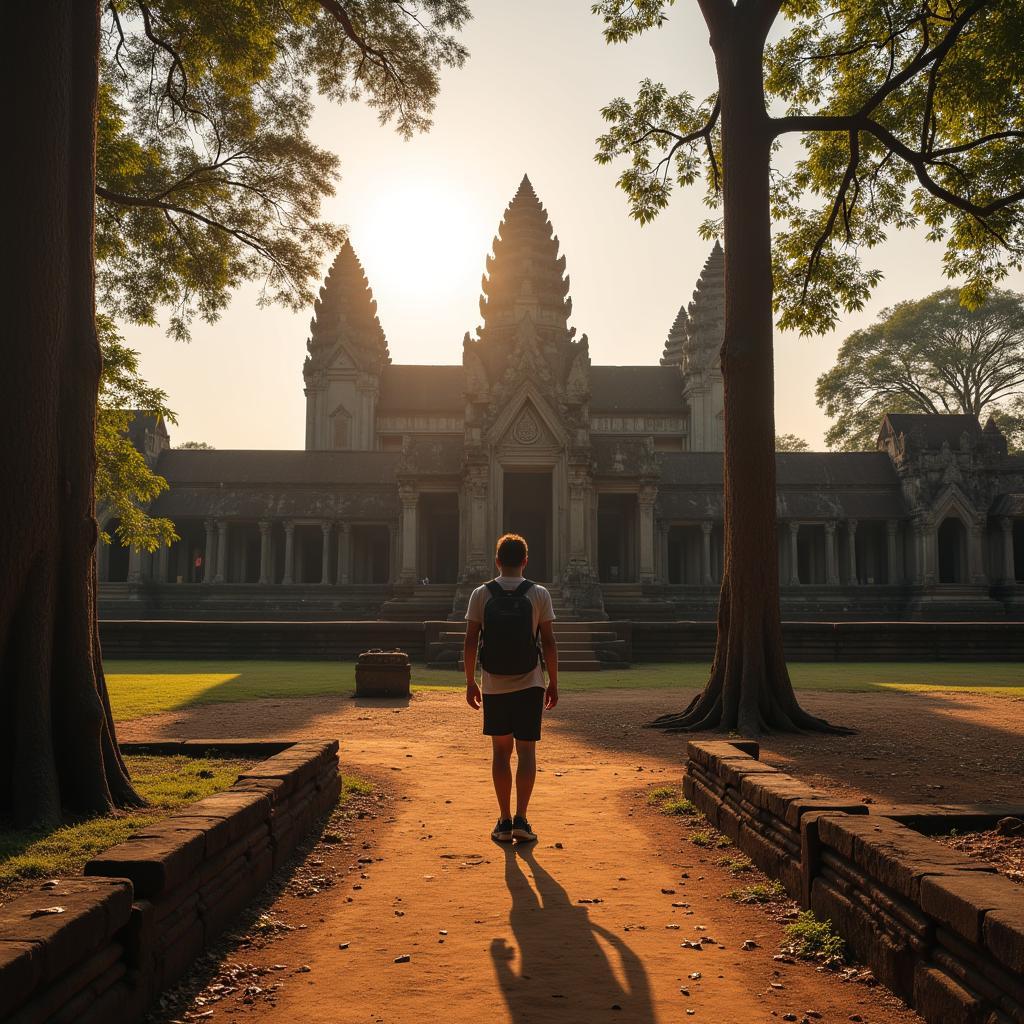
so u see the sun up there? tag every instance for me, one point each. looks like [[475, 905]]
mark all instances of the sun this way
[[422, 243]]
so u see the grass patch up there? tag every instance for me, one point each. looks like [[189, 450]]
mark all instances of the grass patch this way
[[352, 785], [811, 939], [670, 800], [759, 892], [708, 838], [166, 782], [147, 687], [736, 865]]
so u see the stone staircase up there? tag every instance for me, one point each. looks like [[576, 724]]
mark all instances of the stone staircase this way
[[418, 603], [582, 646]]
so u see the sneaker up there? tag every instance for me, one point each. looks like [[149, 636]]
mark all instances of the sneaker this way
[[503, 831], [521, 830]]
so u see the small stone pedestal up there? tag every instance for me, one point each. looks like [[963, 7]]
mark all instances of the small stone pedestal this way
[[383, 674]]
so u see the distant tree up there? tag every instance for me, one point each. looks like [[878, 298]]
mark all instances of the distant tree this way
[[790, 443], [196, 446], [928, 356], [909, 114], [206, 180], [125, 483]]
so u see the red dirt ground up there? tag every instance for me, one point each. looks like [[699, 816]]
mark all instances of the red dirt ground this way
[[506, 935]]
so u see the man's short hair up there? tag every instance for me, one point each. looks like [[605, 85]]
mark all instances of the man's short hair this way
[[511, 550]]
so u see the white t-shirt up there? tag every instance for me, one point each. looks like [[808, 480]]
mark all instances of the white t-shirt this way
[[543, 611]]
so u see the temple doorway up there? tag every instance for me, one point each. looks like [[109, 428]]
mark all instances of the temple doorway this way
[[527, 511], [439, 539], [617, 538], [952, 551]]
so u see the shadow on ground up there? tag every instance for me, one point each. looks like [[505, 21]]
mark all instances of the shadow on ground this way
[[565, 958]]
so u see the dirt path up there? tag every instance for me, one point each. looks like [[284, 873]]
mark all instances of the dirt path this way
[[585, 926]]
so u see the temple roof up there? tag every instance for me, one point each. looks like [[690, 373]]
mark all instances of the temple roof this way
[[811, 485], [417, 389], [636, 389], [933, 429], [525, 274], [346, 314], [216, 468]]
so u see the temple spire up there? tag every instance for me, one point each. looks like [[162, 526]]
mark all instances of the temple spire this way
[[525, 276], [705, 328], [675, 343], [345, 314]]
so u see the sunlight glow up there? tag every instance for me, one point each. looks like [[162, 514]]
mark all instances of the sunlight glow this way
[[423, 245]]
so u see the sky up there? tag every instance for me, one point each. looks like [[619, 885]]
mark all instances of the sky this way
[[422, 214]]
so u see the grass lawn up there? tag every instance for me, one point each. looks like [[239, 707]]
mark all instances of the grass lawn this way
[[167, 783], [140, 688]]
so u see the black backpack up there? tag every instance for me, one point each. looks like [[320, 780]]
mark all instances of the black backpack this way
[[509, 645]]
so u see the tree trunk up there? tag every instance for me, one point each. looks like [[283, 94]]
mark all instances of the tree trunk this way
[[749, 690], [58, 752]]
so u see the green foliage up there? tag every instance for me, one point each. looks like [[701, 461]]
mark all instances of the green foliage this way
[[759, 892], [670, 800], [200, 446], [790, 443], [708, 838], [811, 939], [351, 785], [206, 175], [909, 114], [166, 783], [928, 356], [125, 484], [736, 865]]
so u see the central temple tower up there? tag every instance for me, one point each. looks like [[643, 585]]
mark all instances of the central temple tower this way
[[527, 455]]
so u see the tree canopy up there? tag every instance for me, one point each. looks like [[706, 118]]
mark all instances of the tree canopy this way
[[790, 443], [206, 174], [927, 356], [908, 112], [125, 483]]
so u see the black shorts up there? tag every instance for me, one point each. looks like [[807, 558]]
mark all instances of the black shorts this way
[[517, 713]]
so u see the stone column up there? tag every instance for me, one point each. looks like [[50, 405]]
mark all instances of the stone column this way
[[706, 578], [892, 568], [222, 551], [134, 565], [851, 551], [325, 553], [831, 555], [410, 532], [265, 566], [1009, 564], [209, 551], [577, 520], [929, 552], [163, 559], [794, 554], [664, 573], [392, 551], [976, 553], [646, 498], [345, 553], [289, 553]]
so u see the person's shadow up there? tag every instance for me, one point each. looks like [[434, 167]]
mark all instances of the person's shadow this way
[[565, 974]]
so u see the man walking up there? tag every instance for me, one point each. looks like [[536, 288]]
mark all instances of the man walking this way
[[511, 614]]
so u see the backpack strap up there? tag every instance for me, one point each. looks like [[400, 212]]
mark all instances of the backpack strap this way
[[495, 589], [522, 588]]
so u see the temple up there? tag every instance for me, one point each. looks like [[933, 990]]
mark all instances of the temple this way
[[613, 473]]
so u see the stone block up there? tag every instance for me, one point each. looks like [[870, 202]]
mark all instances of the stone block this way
[[892, 854], [937, 997], [707, 752], [93, 910], [1003, 935], [21, 968], [158, 859], [961, 899], [732, 770], [383, 674]]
